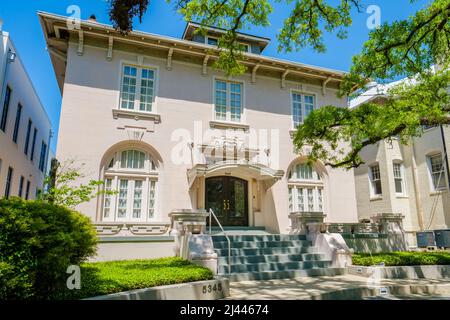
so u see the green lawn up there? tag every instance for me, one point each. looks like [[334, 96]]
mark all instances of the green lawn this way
[[402, 258], [110, 277]]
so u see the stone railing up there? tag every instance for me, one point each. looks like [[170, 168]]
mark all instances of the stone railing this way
[[120, 229], [351, 228]]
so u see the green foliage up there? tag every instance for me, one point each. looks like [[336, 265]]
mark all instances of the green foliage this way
[[402, 258], [38, 241], [66, 192], [337, 135], [103, 278]]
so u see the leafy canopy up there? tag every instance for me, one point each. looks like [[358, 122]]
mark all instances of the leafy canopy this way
[[404, 48]]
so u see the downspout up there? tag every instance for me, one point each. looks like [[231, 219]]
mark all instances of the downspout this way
[[445, 153], [417, 196]]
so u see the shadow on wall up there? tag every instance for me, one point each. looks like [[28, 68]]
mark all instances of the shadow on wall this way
[[393, 242], [270, 218]]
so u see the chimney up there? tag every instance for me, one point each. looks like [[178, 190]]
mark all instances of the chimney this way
[[92, 18], [1, 25]]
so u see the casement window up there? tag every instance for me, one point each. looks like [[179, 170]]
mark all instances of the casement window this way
[[5, 109], [21, 181], [375, 180], [17, 123], [43, 156], [302, 106], [8, 182], [437, 172], [305, 189], [132, 174], [27, 190], [27, 138], [33, 144], [212, 41], [399, 178], [137, 89], [228, 101]]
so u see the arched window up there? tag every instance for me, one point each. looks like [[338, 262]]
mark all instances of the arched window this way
[[133, 175], [305, 189]]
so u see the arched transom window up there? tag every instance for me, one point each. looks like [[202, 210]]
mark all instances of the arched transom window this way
[[133, 175], [305, 189]]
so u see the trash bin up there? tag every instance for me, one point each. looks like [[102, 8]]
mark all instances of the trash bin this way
[[425, 239], [442, 238]]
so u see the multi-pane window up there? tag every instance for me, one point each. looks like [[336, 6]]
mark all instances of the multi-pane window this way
[[138, 89], [5, 109], [302, 106], [212, 41], [304, 172], [43, 156], [17, 123], [27, 190], [375, 180], [107, 199], [33, 144], [135, 196], [305, 189], [228, 101], [21, 181], [437, 172], [8, 182], [398, 178], [27, 139]]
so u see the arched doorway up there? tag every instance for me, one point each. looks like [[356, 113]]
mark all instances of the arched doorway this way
[[228, 197]]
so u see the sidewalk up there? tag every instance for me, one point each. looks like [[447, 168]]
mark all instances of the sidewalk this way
[[338, 288]]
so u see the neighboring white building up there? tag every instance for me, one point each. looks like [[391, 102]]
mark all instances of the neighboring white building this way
[[25, 129], [409, 179], [151, 117]]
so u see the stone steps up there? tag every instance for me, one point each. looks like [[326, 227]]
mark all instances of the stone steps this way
[[270, 256], [280, 266], [261, 244]]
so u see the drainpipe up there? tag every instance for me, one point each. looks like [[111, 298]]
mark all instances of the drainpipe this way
[[445, 153], [416, 186]]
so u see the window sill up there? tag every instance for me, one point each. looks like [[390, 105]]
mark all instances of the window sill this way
[[401, 196], [136, 115], [228, 125], [376, 198]]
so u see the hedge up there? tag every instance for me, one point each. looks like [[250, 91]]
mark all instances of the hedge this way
[[38, 242], [402, 258], [103, 278]]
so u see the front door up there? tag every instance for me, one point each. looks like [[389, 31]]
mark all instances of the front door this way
[[228, 197]]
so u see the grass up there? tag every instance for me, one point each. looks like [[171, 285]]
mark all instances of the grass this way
[[402, 258], [111, 277]]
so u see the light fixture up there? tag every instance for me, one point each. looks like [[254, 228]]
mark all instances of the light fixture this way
[[12, 56]]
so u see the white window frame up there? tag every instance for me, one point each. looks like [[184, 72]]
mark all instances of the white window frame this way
[[372, 181], [299, 187], [402, 177], [148, 175], [139, 67], [303, 105], [228, 101], [430, 172]]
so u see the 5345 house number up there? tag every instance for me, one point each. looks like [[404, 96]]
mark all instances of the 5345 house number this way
[[212, 288]]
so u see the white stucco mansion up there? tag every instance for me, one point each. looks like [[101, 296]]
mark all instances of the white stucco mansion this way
[[151, 117]]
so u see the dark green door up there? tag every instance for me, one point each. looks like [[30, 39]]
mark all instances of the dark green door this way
[[228, 197]]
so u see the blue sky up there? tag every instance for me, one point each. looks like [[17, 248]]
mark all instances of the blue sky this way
[[21, 21]]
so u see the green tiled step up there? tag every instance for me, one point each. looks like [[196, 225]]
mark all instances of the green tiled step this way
[[264, 267], [270, 275], [259, 238], [223, 260], [264, 251], [261, 244]]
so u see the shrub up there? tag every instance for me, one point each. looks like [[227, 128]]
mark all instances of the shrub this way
[[402, 258], [103, 278], [38, 241]]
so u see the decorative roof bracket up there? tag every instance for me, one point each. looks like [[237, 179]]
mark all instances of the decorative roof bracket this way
[[169, 59], [205, 65], [80, 43], [110, 48]]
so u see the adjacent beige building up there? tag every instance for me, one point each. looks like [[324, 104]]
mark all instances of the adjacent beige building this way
[[25, 129], [408, 179], [151, 117]]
